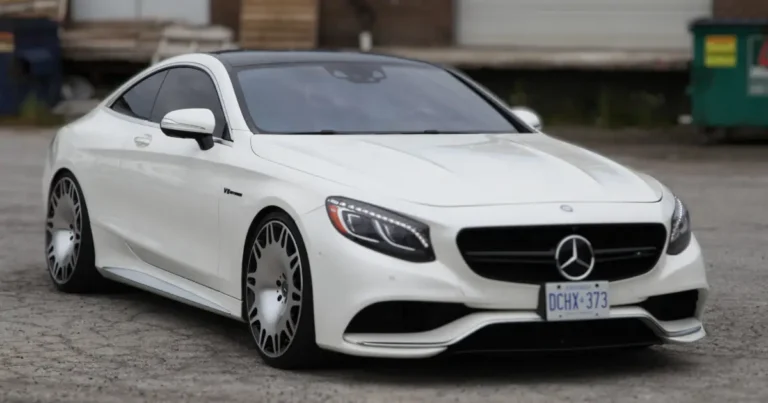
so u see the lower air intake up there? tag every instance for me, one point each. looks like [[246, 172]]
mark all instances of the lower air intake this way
[[558, 336]]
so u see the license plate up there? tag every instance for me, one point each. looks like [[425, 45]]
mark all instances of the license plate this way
[[577, 300]]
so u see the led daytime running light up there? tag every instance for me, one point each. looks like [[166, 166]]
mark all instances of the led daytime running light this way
[[679, 214], [380, 217]]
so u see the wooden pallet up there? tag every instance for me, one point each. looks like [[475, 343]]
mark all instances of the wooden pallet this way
[[279, 24]]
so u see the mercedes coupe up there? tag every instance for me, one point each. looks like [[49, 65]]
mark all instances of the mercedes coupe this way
[[367, 205]]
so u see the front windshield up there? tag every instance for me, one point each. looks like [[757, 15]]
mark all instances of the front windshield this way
[[365, 98]]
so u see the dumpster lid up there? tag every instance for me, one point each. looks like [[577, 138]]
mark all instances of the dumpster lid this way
[[722, 22], [19, 23]]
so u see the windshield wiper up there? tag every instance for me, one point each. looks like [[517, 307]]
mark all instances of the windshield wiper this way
[[435, 131], [324, 131], [428, 131]]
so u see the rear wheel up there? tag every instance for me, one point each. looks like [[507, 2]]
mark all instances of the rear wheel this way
[[69, 249], [277, 288]]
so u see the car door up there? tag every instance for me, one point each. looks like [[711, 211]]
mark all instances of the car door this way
[[105, 135], [176, 186]]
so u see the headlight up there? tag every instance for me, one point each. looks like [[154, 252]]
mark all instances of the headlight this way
[[680, 233], [381, 230]]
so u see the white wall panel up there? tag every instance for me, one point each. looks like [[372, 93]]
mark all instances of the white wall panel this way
[[569, 24], [190, 11], [96, 10]]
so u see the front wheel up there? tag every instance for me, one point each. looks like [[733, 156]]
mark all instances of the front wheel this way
[[277, 288]]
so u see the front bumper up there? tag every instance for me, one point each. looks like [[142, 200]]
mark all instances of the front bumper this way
[[347, 278], [454, 334]]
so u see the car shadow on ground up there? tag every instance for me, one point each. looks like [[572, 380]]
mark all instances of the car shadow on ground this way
[[526, 368], [190, 316]]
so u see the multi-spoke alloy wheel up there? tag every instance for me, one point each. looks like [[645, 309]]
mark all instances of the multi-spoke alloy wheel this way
[[274, 288], [68, 241], [64, 228], [278, 294]]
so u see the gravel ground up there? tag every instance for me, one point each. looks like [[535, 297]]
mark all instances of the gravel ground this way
[[132, 346]]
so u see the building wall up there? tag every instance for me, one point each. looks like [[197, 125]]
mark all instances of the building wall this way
[[226, 13], [741, 9], [397, 23], [278, 24]]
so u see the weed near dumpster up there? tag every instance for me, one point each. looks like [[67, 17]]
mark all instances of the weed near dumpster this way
[[33, 112]]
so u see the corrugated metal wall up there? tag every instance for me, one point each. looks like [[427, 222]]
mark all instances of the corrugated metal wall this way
[[190, 11], [610, 24]]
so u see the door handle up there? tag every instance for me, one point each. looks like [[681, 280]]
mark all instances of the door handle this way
[[142, 141]]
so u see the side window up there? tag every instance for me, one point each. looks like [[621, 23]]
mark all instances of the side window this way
[[185, 88], [137, 102]]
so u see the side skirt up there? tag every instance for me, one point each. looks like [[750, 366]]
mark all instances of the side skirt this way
[[178, 289]]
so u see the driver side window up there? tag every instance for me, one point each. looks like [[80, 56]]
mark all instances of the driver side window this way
[[185, 88], [137, 102]]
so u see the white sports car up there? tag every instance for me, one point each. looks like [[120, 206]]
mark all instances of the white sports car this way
[[368, 205]]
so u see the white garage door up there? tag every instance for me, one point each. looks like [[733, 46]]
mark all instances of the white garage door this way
[[190, 11], [609, 24]]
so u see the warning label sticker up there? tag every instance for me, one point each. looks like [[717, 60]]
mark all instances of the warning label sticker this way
[[757, 74], [720, 51], [6, 42]]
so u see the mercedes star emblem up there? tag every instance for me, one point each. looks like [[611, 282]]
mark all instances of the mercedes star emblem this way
[[574, 257]]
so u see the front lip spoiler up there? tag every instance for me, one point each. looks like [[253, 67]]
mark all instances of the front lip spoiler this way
[[678, 331]]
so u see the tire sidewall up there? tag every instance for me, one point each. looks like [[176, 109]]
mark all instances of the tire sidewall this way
[[84, 276]]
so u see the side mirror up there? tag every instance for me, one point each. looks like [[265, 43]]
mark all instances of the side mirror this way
[[528, 116], [195, 124]]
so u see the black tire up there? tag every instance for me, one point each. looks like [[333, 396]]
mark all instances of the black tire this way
[[81, 275], [302, 351], [629, 349], [641, 347]]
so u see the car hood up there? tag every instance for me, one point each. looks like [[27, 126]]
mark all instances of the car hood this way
[[461, 170]]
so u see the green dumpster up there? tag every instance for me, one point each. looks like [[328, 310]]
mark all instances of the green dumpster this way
[[729, 74]]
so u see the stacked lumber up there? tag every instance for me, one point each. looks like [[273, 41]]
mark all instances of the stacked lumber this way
[[141, 41], [278, 24], [52, 9], [129, 40], [180, 39]]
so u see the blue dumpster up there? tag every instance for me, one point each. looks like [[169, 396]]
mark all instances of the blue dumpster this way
[[30, 63]]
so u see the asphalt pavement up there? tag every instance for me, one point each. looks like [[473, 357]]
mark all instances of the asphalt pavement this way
[[132, 346]]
